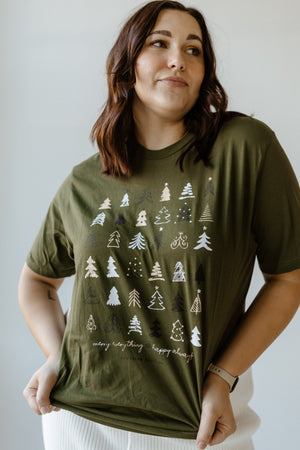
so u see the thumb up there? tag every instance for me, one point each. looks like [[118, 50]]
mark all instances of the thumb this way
[[206, 429]]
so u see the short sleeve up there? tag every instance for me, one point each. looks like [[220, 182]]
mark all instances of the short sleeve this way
[[52, 252], [276, 220]]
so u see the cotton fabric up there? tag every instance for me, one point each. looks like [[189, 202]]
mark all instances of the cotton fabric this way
[[163, 262]]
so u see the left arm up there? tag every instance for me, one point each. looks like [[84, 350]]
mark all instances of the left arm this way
[[268, 315]]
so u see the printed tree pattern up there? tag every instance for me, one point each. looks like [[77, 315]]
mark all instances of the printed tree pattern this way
[[158, 240], [106, 204], [200, 277], [135, 326], [142, 216], [196, 306], [209, 188], [187, 192], [134, 298], [165, 196], [91, 241], [125, 201], [146, 196], [120, 220], [179, 274], [184, 214], [91, 325], [155, 329], [112, 325], [163, 216], [206, 215], [111, 268], [177, 332], [156, 273], [180, 241], [195, 340], [141, 220], [138, 242], [178, 304], [113, 299], [99, 220], [92, 297], [114, 240], [91, 269], [156, 302], [203, 241], [134, 269]]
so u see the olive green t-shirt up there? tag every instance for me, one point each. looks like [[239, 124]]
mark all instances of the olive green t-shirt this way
[[163, 262]]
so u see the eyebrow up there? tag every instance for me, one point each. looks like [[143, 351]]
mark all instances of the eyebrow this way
[[169, 34]]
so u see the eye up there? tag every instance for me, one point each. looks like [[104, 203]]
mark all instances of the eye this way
[[158, 43], [195, 51]]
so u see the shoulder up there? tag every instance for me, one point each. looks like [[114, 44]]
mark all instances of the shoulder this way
[[89, 165], [242, 129], [81, 177]]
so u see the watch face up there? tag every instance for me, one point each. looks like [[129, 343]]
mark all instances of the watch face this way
[[234, 384]]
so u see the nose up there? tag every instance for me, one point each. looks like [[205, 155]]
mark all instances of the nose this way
[[176, 61]]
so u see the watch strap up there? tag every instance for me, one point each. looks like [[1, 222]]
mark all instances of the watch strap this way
[[231, 380]]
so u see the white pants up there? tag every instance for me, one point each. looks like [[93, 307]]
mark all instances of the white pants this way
[[64, 430]]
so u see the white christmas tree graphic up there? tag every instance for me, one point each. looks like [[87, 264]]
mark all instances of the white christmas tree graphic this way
[[114, 239], [187, 192], [165, 196], [111, 268], [203, 241], [134, 269], [206, 215], [106, 204], [113, 299], [91, 325], [134, 298], [91, 269], [195, 340], [156, 302], [177, 332], [179, 274], [141, 220], [125, 201], [179, 241], [156, 273], [196, 306], [138, 242], [163, 216], [99, 220], [135, 326]]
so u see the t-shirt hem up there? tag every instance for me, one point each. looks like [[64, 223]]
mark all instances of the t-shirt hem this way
[[135, 428]]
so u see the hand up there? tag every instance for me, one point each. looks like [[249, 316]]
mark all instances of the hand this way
[[37, 391], [217, 419]]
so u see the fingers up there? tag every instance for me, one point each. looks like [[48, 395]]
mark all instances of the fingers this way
[[214, 429], [37, 392]]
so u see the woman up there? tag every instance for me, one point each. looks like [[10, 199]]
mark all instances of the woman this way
[[162, 229]]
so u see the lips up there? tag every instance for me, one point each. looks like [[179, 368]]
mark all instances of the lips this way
[[174, 81]]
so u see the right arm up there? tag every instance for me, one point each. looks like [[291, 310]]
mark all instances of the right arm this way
[[44, 316]]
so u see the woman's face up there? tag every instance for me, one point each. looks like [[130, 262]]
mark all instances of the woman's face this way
[[170, 68]]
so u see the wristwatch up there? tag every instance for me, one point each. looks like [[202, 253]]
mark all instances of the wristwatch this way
[[232, 381]]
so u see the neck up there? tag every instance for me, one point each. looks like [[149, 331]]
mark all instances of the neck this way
[[155, 133]]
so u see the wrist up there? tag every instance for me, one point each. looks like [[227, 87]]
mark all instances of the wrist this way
[[226, 377]]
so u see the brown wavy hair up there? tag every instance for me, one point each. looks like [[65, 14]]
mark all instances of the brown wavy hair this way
[[114, 129]]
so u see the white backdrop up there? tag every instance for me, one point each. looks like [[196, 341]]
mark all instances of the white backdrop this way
[[52, 85]]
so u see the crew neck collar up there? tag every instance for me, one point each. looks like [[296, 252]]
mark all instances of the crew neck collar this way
[[165, 152]]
